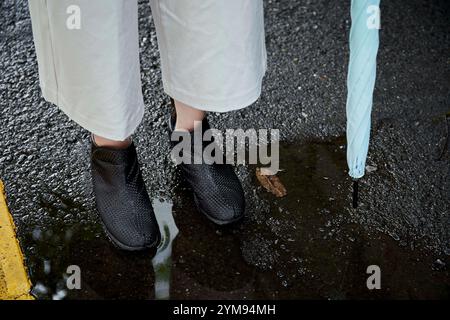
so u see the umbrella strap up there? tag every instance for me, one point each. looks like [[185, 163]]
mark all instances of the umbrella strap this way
[[355, 194]]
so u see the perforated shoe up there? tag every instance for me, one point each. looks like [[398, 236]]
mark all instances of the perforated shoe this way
[[218, 193], [122, 199]]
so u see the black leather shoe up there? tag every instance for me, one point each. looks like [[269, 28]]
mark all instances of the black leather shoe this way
[[217, 190], [122, 199]]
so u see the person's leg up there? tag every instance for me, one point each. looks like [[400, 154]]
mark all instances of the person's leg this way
[[88, 58], [92, 73], [213, 59], [213, 54], [187, 116], [108, 143]]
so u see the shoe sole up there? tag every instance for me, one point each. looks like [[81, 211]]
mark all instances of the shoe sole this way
[[125, 247], [214, 220]]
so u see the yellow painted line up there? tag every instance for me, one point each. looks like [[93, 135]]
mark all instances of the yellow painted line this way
[[14, 281]]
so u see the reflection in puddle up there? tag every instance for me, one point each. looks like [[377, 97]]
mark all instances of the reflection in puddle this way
[[301, 246], [106, 271], [162, 261]]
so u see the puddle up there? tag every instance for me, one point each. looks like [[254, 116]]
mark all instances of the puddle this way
[[303, 246], [162, 262]]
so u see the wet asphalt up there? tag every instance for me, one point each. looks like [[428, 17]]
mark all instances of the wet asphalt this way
[[311, 244]]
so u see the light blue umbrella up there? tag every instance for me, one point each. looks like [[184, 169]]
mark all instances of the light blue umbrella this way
[[364, 42]]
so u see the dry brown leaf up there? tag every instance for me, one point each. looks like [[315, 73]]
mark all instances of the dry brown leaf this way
[[271, 183]]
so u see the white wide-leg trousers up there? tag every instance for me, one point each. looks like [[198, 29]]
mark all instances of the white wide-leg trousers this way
[[213, 57]]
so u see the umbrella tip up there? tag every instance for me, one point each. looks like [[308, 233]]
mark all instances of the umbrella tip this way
[[355, 194]]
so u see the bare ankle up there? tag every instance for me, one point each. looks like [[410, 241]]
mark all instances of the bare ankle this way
[[114, 144], [187, 116]]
